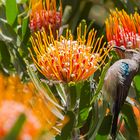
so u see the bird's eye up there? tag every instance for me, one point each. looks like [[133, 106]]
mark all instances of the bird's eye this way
[[129, 44]]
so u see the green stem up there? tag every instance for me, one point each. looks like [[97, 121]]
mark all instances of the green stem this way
[[95, 130], [71, 105], [71, 97]]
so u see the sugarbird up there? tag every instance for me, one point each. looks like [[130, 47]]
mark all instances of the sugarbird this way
[[118, 81]]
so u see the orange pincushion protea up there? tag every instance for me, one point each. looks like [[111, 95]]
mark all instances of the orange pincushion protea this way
[[66, 59], [9, 112], [17, 98], [45, 14], [123, 29]]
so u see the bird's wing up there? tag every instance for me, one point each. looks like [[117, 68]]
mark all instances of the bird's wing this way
[[122, 91]]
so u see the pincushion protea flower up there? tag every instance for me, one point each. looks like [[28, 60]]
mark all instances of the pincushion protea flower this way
[[9, 112], [123, 29], [44, 14], [17, 98], [66, 59]]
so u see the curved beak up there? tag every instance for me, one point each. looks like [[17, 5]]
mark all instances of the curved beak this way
[[121, 48]]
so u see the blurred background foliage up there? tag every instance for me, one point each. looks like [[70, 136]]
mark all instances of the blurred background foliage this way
[[14, 43], [14, 24]]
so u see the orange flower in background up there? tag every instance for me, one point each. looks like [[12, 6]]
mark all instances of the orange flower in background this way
[[124, 127], [123, 29], [45, 14], [136, 110], [17, 98], [66, 59], [9, 112]]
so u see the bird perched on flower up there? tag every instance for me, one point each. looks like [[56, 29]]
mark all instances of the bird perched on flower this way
[[65, 59], [118, 81], [123, 29], [17, 98], [44, 14]]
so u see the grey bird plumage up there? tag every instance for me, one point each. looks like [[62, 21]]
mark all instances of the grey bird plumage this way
[[118, 81]]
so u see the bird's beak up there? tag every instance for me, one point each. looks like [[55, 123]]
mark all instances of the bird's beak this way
[[121, 48]]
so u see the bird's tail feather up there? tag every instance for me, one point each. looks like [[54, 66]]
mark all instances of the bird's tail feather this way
[[116, 111], [114, 126]]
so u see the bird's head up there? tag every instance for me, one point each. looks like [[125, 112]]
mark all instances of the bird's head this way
[[130, 53]]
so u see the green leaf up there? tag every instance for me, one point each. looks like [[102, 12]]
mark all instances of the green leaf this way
[[24, 26], [58, 137], [61, 92], [11, 11], [94, 128], [119, 4], [106, 125], [130, 121], [22, 1], [14, 132], [67, 129], [77, 14], [99, 137], [66, 14], [84, 106], [7, 34], [5, 59], [137, 84], [2, 12], [101, 82]]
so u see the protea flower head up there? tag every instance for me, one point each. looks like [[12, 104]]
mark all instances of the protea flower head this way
[[66, 59], [123, 29], [44, 14], [17, 98]]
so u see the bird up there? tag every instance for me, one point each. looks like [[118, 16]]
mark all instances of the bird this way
[[117, 82]]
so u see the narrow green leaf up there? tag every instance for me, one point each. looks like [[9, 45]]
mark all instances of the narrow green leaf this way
[[84, 106], [130, 120], [121, 137], [22, 1], [14, 132], [137, 84], [67, 129], [120, 5], [24, 26], [101, 82], [99, 137], [2, 11], [5, 59], [77, 14], [7, 34], [11, 11], [94, 129], [66, 14], [61, 92], [105, 126]]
